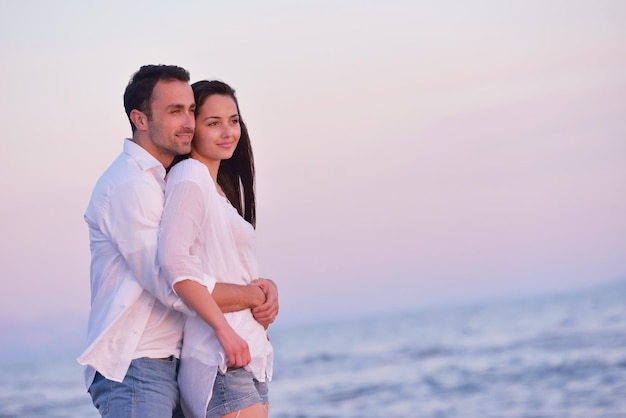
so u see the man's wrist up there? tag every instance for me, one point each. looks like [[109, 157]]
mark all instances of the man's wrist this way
[[256, 296]]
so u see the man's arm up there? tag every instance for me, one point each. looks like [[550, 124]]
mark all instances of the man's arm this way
[[131, 223], [264, 307], [261, 296], [233, 297]]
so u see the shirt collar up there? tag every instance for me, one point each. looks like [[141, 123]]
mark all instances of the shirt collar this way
[[145, 160]]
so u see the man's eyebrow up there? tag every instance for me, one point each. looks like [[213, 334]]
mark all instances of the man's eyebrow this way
[[178, 106]]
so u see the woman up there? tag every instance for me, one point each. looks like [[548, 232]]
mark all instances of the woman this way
[[208, 227]]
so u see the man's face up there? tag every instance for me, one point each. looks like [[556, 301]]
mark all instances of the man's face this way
[[172, 122]]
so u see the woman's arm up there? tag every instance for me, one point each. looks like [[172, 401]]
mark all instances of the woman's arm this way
[[200, 300]]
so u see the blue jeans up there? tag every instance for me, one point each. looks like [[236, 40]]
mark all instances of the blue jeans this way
[[149, 389], [235, 390]]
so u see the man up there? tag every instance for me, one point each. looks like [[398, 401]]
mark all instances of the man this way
[[136, 319]]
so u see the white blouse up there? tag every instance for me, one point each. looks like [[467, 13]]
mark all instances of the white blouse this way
[[202, 233]]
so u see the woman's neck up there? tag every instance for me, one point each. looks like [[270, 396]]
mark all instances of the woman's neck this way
[[212, 165]]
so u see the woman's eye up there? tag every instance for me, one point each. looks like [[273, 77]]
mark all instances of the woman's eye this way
[[235, 121]]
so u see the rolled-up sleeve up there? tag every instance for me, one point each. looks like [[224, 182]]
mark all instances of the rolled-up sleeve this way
[[183, 217]]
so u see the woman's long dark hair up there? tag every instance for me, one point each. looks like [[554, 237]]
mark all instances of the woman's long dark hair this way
[[236, 175]]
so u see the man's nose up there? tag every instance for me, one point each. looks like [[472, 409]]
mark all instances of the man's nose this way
[[189, 121]]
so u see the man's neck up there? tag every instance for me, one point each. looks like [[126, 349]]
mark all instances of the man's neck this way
[[164, 158]]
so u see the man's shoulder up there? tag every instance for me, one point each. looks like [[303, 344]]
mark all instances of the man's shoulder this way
[[120, 170], [125, 173]]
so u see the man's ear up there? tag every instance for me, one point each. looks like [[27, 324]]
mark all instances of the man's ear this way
[[140, 119]]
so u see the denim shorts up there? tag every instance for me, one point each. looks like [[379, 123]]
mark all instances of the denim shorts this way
[[149, 389], [235, 390]]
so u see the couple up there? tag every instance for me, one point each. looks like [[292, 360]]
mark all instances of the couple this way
[[178, 257]]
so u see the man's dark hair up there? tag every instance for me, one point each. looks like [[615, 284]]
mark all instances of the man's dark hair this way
[[139, 89]]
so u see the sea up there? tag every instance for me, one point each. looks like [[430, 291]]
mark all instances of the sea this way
[[555, 356]]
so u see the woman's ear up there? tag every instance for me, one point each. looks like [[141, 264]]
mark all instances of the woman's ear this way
[[140, 119]]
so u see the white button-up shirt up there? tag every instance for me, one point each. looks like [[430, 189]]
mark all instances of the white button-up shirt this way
[[123, 216]]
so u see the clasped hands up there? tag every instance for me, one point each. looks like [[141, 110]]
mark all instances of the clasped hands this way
[[266, 312]]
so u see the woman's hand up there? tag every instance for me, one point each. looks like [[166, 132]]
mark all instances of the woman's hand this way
[[198, 298], [235, 347]]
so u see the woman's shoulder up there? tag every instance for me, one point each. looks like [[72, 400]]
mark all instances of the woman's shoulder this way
[[193, 171], [188, 170]]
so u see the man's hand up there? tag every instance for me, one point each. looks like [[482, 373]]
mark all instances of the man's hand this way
[[236, 297], [266, 313]]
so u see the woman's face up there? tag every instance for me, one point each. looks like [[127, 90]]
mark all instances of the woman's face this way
[[217, 129]]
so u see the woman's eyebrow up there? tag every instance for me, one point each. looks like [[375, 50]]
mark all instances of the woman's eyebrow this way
[[235, 115]]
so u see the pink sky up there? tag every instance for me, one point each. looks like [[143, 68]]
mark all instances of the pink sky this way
[[408, 154]]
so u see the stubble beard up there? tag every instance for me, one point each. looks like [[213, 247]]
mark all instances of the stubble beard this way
[[172, 147]]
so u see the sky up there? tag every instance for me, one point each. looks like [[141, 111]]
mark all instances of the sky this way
[[409, 154]]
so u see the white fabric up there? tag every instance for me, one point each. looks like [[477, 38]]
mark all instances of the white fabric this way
[[123, 218], [202, 232], [163, 335]]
